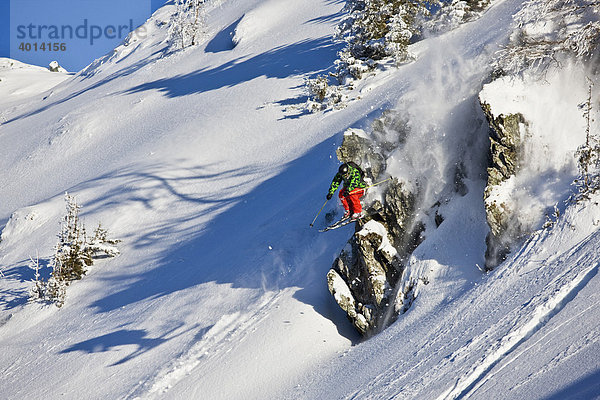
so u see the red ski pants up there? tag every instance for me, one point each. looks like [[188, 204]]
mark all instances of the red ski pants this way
[[351, 200]]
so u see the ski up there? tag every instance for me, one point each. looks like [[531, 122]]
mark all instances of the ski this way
[[335, 225], [338, 224]]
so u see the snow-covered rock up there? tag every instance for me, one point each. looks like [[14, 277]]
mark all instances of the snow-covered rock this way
[[536, 126], [363, 277], [507, 133], [358, 148], [55, 67]]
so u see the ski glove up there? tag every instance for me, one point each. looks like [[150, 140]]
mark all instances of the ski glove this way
[[329, 196]]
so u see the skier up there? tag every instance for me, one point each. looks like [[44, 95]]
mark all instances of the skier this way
[[353, 190]]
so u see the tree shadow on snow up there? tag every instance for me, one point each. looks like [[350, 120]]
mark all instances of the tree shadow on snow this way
[[305, 57], [587, 387], [308, 57], [261, 240], [21, 272], [331, 17], [11, 298], [123, 337]]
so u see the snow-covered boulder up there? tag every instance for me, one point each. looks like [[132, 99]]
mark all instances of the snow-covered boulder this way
[[55, 67], [364, 276], [536, 125]]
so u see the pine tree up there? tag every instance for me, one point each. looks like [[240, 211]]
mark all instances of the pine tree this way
[[72, 256], [377, 29], [588, 154], [187, 22], [454, 13], [476, 6], [56, 291], [38, 290], [73, 253], [101, 246], [573, 31], [321, 94]]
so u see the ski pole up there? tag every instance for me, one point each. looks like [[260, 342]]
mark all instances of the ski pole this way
[[379, 183], [319, 213]]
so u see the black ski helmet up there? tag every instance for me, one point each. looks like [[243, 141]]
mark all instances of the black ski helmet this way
[[343, 169]]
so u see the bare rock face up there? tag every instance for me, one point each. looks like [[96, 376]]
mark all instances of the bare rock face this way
[[506, 137], [358, 148], [397, 211], [505, 140]]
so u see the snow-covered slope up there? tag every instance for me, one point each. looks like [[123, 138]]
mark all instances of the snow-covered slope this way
[[528, 331], [205, 165], [191, 161], [20, 81]]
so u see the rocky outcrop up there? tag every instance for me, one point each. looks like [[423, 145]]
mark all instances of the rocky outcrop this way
[[363, 278], [505, 140], [358, 148], [506, 137]]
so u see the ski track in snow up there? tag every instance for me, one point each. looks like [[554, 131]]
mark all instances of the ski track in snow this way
[[571, 350], [230, 329], [546, 305]]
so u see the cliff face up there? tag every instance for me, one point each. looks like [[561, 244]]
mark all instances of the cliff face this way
[[507, 135], [367, 277], [363, 279], [357, 147], [505, 139]]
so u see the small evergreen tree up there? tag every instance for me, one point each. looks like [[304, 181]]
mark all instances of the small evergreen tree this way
[[453, 13], [574, 32], [478, 5], [101, 246], [377, 29], [317, 87], [588, 154], [187, 22], [38, 291], [56, 291], [72, 256], [73, 253], [322, 95]]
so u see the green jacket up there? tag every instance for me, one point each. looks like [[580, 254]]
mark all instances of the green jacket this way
[[354, 181]]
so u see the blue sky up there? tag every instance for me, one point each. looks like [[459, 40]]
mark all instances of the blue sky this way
[[72, 32]]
